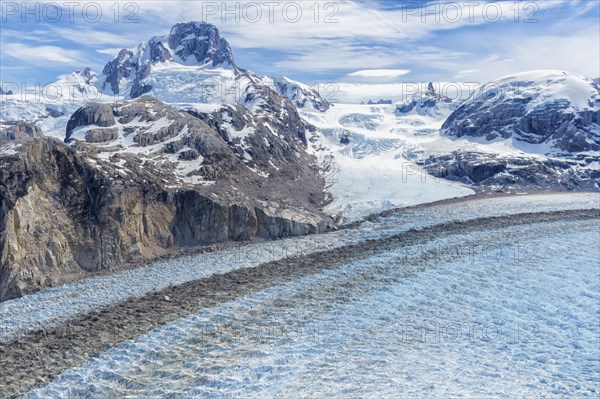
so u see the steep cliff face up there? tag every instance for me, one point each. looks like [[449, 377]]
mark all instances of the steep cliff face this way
[[65, 213], [139, 179]]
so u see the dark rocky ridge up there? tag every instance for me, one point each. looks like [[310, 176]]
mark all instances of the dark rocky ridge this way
[[423, 102], [506, 172], [8, 92]]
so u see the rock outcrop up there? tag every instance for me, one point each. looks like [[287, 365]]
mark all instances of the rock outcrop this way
[[116, 70], [200, 41], [505, 172], [425, 102], [18, 131], [300, 94]]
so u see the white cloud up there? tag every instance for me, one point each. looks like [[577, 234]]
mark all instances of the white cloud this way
[[466, 74], [337, 56], [37, 54], [380, 73], [37, 35], [361, 36], [576, 49], [322, 21], [95, 37], [110, 51]]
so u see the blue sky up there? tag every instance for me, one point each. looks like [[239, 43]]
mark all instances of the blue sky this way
[[356, 42]]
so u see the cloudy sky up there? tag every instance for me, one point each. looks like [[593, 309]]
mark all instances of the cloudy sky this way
[[354, 42]]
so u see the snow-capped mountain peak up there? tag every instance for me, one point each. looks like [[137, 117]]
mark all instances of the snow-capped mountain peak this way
[[542, 86], [192, 44], [193, 64], [558, 109]]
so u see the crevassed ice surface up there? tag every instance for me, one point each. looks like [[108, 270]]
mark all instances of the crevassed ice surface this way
[[377, 169], [518, 321], [59, 304]]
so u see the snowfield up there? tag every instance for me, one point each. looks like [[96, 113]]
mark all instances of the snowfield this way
[[544, 86], [519, 321], [366, 186], [175, 83]]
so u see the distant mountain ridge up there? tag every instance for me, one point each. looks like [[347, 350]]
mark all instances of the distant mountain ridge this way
[[555, 108]]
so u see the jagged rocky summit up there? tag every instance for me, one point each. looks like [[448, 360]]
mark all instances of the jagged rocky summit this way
[[194, 56]]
